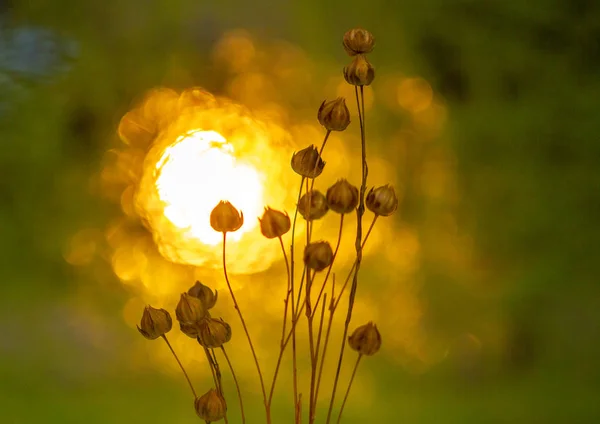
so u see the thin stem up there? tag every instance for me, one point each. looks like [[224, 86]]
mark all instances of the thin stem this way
[[312, 184], [213, 370], [358, 244], [237, 308], [215, 363], [335, 252], [293, 331], [180, 365], [282, 343], [354, 264], [349, 387], [313, 377], [287, 296], [325, 344], [300, 305], [311, 342], [237, 386], [347, 278]]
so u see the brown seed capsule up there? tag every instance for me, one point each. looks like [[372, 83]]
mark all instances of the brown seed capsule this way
[[318, 255], [358, 41], [318, 205], [342, 197], [155, 323], [359, 72], [190, 312], [213, 333], [210, 406], [226, 218], [366, 339], [382, 200], [274, 223], [334, 115], [205, 294], [308, 163]]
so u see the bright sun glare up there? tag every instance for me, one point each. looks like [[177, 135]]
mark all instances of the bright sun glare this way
[[198, 171]]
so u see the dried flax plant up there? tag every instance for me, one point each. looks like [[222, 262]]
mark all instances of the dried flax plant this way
[[194, 308]]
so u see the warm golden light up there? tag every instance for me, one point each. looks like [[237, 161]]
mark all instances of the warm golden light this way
[[197, 172]]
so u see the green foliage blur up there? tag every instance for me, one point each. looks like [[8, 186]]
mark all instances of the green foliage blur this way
[[521, 81]]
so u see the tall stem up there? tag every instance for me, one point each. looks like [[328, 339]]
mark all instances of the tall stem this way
[[349, 387], [180, 365], [293, 331], [282, 344], [358, 244], [237, 386], [237, 308], [311, 342]]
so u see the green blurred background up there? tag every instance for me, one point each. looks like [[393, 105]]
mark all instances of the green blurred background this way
[[521, 84]]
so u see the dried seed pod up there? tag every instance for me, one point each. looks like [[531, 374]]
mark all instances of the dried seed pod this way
[[358, 41], [334, 115], [318, 255], [274, 223], [213, 333], [318, 205], [382, 200], [307, 162], [211, 406], [190, 312], [342, 197], [204, 293], [366, 339], [359, 72], [155, 323], [226, 218]]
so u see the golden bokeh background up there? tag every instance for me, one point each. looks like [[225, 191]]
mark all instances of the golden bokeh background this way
[[483, 284]]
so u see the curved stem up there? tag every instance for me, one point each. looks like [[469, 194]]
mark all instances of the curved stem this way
[[180, 365], [237, 386], [237, 308], [349, 387]]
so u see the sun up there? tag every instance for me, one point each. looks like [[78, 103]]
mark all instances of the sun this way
[[196, 172]]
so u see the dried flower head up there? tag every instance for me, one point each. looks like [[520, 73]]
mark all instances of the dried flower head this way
[[155, 323], [382, 200], [366, 339], [190, 312], [308, 162], [204, 293], [334, 115], [226, 218], [318, 205], [359, 72], [318, 255], [358, 41], [211, 406], [274, 223], [342, 197], [213, 333]]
